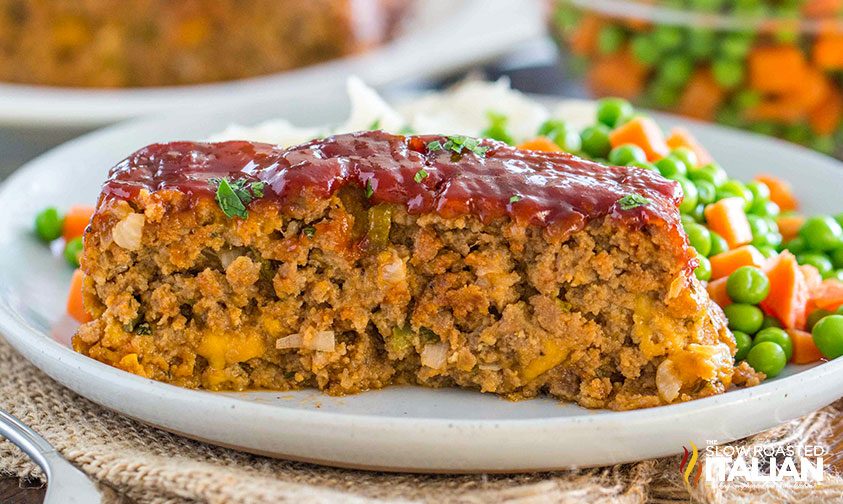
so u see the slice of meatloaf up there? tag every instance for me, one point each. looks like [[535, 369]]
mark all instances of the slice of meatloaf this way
[[363, 260]]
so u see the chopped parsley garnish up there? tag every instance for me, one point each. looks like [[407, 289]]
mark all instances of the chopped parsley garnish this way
[[458, 143], [143, 329], [406, 130], [420, 175], [515, 198], [376, 124], [435, 145], [233, 195], [309, 231], [634, 200], [369, 190]]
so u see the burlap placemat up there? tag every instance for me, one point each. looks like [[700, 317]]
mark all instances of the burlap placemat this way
[[145, 465]]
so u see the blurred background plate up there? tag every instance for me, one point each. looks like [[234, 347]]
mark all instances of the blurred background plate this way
[[438, 38]]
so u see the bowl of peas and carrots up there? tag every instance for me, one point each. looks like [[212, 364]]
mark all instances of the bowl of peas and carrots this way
[[770, 66], [777, 275]]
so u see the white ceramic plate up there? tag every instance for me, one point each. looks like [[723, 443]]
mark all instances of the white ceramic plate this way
[[401, 428], [444, 35]]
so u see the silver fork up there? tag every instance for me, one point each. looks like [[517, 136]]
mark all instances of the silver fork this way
[[65, 483]]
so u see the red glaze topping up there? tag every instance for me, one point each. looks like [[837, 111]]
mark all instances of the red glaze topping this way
[[535, 188]]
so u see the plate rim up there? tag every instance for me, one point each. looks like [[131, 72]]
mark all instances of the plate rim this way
[[28, 340]]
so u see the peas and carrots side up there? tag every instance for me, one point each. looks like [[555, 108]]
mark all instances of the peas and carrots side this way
[[777, 275], [761, 72]]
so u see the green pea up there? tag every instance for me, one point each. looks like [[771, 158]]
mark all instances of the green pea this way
[[689, 190], [732, 188], [718, 244], [839, 218], [687, 219], [48, 224], [798, 133], [770, 322], [703, 271], [610, 38], [817, 260], [764, 128], [758, 225], [735, 45], [760, 191], [550, 126], [711, 172], [821, 232], [645, 50], [568, 139], [707, 5], [836, 275], [777, 336], [748, 285], [770, 240], [706, 191], [701, 43], [743, 342], [837, 257], [767, 251], [796, 246], [614, 111], [815, 316], [747, 98], [744, 317], [595, 142], [698, 213], [768, 209], [676, 70], [768, 358], [72, 251], [727, 72], [824, 143], [671, 167], [685, 155], [828, 336], [662, 95], [625, 154], [667, 37], [700, 238]]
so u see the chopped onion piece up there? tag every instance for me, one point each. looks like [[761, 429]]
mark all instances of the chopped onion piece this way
[[434, 355], [128, 232], [290, 341], [490, 367], [668, 382], [322, 341]]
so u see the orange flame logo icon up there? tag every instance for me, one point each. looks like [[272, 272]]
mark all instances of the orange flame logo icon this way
[[689, 462]]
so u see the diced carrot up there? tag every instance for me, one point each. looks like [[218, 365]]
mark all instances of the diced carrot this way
[[788, 297], [828, 51], [828, 295], [804, 349], [825, 117], [724, 263], [794, 105], [681, 137], [74, 299], [617, 74], [643, 132], [540, 143], [728, 219], [717, 292], [76, 221], [789, 226], [781, 192], [701, 97], [583, 41], [779, 108], [776, 69], [813, 278], [822, 8]]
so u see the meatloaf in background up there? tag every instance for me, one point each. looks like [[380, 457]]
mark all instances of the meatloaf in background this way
[[369, 259], [130, 43]]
